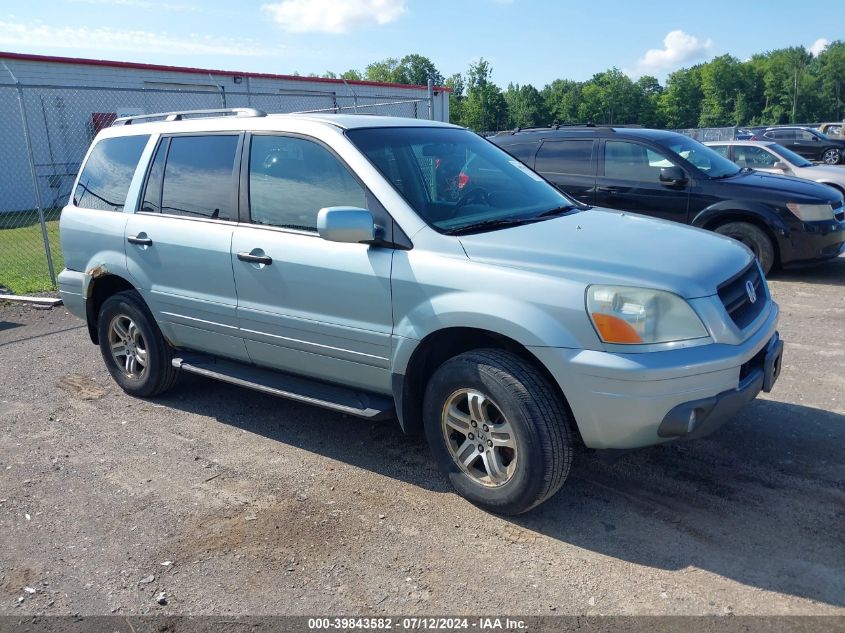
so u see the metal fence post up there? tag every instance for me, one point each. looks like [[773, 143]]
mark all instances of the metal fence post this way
[[34, 174], [430, 99]]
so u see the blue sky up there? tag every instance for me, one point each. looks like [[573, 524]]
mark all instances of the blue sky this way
[[526, 41]]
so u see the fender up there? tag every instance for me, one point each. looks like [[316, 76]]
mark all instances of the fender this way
[[526, 324], [755, 211]]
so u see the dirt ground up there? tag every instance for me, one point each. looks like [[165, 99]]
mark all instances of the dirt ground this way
[[234, 502]]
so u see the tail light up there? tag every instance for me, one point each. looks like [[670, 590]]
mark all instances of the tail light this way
[[754, 137]]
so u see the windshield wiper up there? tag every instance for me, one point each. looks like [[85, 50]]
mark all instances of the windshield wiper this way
[[488, 224], [556, 211], [502, 222]]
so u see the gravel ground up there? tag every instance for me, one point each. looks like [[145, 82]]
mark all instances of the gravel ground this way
[[233, 502]]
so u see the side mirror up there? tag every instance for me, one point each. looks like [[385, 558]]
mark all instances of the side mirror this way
[[350, 225], [781, 166], [673, 175]]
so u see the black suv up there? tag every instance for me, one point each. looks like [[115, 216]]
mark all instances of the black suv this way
[[784, 220], [811, 144]]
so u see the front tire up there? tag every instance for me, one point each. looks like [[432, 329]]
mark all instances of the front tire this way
[[754, 238], [133, 347], [831, 156], [498, 430]]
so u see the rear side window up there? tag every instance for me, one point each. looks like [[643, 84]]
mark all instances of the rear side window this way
[[291, 179], [522, 151], [754, 157], [565, 157], [108, 172], [199, 177], [722, 150]]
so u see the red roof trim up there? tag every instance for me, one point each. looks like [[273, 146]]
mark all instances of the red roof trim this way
[[186, 69]]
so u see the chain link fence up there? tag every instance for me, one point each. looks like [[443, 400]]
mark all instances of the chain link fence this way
[[47, 129]]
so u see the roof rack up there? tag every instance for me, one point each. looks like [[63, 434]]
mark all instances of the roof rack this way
[[181, 114], [557, 126]]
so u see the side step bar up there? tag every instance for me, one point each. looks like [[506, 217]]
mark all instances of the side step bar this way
[[321, 394]]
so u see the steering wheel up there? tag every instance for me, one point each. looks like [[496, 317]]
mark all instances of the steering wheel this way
[[477, 194]]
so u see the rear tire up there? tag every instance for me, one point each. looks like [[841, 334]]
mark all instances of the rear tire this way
[[754, 238], [498, 429], [832, 156], [133, 347]]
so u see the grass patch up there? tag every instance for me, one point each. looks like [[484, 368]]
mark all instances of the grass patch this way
[[23, 262]]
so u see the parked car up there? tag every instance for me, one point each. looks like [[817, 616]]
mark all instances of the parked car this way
[[314, 257], [770, 157], [671, 176], [833, 130], [807, 142]]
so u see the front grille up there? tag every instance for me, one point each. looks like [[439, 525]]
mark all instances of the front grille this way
[[736, 298]]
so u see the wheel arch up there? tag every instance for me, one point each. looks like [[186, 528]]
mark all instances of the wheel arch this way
[[833, 185], [437, 347], [99, 289], [714, 217]]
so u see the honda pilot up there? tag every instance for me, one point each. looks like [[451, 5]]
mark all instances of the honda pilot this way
[[343, 262]]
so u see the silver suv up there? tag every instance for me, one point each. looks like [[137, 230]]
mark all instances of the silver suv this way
[[396, 267]]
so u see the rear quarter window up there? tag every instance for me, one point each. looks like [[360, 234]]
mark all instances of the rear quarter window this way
[[523, 151], [108, 172], [566, 157]]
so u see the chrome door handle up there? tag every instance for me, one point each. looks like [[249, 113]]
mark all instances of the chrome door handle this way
[[255, 259], [141, 241]]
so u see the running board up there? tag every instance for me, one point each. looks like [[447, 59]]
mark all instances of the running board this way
[[321, 394]]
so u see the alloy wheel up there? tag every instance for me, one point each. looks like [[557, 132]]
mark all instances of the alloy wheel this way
[[480, 439], [128, 347], [831, 156]]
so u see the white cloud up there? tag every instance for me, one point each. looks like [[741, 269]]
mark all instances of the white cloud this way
[[678, 47], [20, 35], [818, 46], [333, 16]]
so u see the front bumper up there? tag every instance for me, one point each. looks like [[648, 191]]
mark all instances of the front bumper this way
[[696, 419], [620, 400], [815, 241]]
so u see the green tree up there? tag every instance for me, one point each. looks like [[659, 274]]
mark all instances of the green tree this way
[[721, 82], [352, 75], [680, 102], [384, 70], [649, 92], [484, 108], [831, 63], [561, 100], [526, 107], [456, 97], [416, 70]]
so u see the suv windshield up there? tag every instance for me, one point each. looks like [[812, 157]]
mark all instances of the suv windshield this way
[[788, 154], [710, 162], [456, 181]]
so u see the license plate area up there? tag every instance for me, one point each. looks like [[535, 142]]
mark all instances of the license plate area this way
[[772, 363]]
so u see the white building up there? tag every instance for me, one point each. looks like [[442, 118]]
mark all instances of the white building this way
[[67, 100]]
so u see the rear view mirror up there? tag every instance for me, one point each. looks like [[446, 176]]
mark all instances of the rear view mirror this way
[[673, 175], [350, 225]]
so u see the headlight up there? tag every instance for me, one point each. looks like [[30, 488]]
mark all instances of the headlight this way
[[811, 212], [634, 316]]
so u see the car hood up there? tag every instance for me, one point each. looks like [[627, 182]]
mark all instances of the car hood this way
[[831, 171], [779, 187], [613, 247]]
